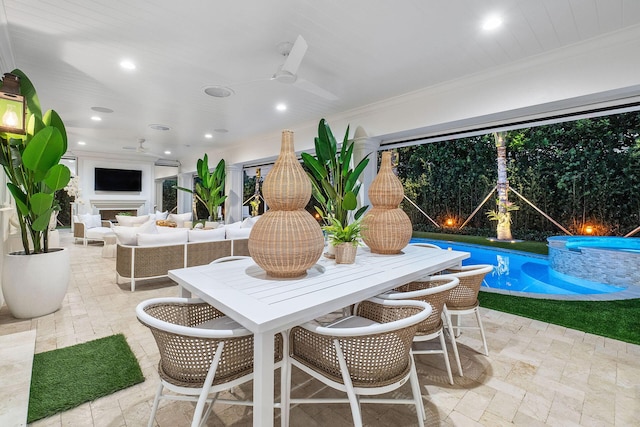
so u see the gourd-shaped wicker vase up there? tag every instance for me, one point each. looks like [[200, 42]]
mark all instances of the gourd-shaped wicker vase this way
[[386, 228], [286, 240]]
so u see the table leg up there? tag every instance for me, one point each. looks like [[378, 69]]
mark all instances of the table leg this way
[[263, 379]]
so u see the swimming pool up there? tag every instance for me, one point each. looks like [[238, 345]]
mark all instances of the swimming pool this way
[[522, 273]]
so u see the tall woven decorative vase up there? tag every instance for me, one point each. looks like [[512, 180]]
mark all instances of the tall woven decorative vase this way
[[386, 228], [286, 240]]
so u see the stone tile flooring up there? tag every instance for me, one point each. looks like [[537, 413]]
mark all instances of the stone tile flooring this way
[[537, 374]]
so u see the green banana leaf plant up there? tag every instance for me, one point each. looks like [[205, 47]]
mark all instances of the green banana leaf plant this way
[[210, 190], [32, 165], [334, 184]]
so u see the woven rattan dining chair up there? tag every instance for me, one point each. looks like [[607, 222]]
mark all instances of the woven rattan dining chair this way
[[215, 261], [202, 352], [463, 299], [363, 355], [433, 290]]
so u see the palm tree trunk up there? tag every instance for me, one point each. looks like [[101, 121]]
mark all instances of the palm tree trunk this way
[[504, 224]]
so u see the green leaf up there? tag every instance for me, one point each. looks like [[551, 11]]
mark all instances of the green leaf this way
[[349, 202], [353, 178], [20, 197], [29, 92], [40, 203], [314, 166], [51, 118], [359, 212], [43, 152], [58, 177], [42, 221]]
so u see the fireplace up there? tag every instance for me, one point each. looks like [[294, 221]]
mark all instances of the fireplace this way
[[109, 208]]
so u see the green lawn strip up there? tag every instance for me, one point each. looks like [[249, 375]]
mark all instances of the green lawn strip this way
[[619, 320], [65, 378], [526, 246]]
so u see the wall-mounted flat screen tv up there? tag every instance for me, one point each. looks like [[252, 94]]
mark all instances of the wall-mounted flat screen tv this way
[[117, 180]]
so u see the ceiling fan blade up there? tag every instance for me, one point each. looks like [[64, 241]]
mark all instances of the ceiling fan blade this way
[[294, 59], [306, 85]]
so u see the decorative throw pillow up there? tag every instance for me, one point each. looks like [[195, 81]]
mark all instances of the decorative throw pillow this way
[[161, 215], [180, 218], [91, 221], [160, 239], [248, 222], [131, 221], [196, 235], [128, 235]]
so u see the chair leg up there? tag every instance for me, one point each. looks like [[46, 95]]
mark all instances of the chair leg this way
[[204, 394], [452, 338], [484, 339], [285, 383], [417, 394], [354, 403], [154, 408], [443, 344]]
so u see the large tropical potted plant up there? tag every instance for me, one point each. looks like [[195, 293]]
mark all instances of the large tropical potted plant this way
[[334, 182], [35, 280], [210, 188]]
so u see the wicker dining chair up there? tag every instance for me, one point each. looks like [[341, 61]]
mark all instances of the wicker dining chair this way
[[433, 290], [463, 299], [202, 352], [215, 261], [363, 355]]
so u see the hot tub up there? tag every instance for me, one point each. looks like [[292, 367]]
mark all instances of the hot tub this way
[[611, 260]]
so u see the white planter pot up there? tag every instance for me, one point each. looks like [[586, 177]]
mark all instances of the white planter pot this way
[[35, 285]]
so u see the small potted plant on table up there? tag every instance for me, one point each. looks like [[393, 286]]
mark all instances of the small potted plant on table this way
[[344, 239]]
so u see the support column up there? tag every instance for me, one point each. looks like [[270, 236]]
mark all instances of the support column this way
[[363, 145], [185, 200], [234, 186]]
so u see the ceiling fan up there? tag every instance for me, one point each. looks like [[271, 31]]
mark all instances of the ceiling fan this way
[[141, 148], [287, 72]]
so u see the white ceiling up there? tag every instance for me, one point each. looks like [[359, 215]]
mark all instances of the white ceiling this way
[[362, 51]]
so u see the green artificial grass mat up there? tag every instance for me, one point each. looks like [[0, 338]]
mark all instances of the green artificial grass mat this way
[[619, 319], [67, 377]]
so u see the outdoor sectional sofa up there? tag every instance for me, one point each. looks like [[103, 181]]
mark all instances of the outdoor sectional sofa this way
[[146, 262]]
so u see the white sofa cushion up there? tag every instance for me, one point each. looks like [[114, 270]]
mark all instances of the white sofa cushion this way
[[161, 215], [128, 235], [159, 239], [97, 233], [197, 235], [131, 221], [179, 219], [237, 233], [91, 221]]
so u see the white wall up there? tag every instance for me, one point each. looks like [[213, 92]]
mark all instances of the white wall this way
[[86, 167]]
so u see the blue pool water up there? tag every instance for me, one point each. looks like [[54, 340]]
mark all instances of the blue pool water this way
[[523, 272]]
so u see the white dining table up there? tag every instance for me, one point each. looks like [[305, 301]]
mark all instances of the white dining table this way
[[266, 305]]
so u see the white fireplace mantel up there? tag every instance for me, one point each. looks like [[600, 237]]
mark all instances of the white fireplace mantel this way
[[117, 203]]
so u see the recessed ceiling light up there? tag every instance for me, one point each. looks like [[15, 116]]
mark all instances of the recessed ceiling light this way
[[281, 107], [102, 109], [208, 135], [127, 65], [491, 22], [82, 143], [167, 152], [159, 127], [221, 130], [218, 91], [96, 118]]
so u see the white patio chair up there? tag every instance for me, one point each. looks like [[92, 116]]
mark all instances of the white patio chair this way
[[463, 299], [363, 355], [215, 261], [434, 291], [202, 352]]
